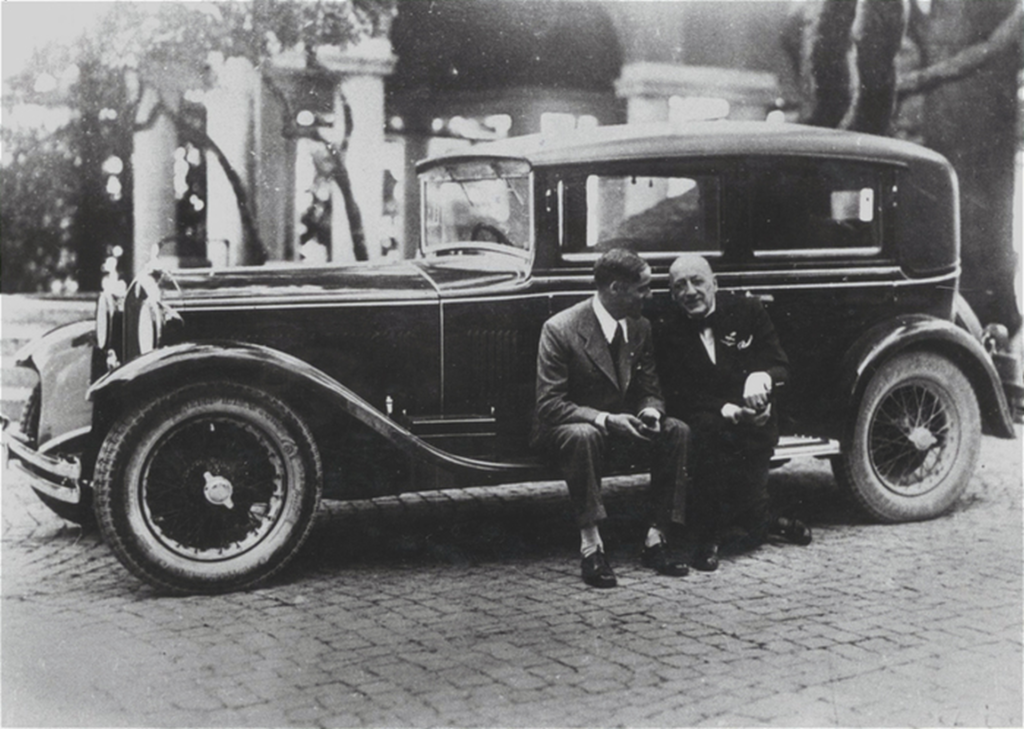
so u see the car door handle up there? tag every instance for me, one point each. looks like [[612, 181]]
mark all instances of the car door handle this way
[[763, 298]]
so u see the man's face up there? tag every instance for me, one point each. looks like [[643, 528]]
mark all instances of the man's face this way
[[693, 286], [627, 297]]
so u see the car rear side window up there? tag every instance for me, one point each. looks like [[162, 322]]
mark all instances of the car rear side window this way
[[649, 214], [816, 209]]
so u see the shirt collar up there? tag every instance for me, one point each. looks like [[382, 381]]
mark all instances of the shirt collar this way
[[608, 322]]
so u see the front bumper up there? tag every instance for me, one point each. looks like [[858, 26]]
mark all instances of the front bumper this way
[[56, 477]]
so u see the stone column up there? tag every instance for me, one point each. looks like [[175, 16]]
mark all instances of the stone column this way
[[361, 71], [229, 123], [274, 193], [152, 183], [415, 150]]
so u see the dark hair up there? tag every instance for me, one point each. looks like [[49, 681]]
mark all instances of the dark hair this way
[[618, 264]]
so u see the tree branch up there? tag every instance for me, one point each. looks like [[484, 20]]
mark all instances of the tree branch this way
[[339, 172], [201, 139], [1002, 40], [917, 28]]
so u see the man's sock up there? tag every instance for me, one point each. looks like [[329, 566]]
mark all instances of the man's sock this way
[[590, 540], [654, 537]]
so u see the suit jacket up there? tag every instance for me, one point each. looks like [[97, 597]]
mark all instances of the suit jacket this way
[[745, 342], [576, 378]]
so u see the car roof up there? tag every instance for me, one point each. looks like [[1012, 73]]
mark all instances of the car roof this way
[[692, 139]]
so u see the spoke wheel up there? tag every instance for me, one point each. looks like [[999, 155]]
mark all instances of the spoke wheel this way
[[915, 439], [211, 488]]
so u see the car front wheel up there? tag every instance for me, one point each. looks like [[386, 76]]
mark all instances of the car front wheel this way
[[915, 440], [210, 488]]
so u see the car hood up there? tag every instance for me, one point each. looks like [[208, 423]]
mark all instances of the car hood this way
[[369, 282]]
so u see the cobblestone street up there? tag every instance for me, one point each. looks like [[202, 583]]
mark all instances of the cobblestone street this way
[[466, 609]]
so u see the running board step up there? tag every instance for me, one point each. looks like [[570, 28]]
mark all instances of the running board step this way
[[804, 446]]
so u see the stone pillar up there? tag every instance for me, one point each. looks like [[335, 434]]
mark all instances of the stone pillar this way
[[365, 96], [415, 150], [229, 123], [670, 92], [273, 195], [152, 182], [361, 71]]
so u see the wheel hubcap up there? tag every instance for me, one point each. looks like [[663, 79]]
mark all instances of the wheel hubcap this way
[[911, 442], [922, 438], [218, 490]]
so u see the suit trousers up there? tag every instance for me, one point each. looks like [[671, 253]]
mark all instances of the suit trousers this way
[[584, 454], [730, 470]]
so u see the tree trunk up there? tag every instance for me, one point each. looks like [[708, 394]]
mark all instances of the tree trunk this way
[[89, 231], [828, 64], [973, 122], [878, 33]]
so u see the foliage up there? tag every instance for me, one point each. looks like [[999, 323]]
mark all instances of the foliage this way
[[58, 219], [862, 62], [38, 191]]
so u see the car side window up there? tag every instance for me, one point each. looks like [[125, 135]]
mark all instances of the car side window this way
[[833, 207], [652, 214]]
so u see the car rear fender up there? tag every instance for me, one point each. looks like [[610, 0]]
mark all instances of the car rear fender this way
[[63, 359], [224, 358], [922, 332]]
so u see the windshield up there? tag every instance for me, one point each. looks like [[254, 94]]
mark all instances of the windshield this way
[[483, 204]]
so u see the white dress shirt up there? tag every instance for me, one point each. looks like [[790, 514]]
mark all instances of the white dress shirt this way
[[608, 324], [707, 337]]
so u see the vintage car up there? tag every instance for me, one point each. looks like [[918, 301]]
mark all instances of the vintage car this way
[[201, 416]]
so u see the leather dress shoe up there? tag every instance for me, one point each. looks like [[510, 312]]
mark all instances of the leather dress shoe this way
[[659, 559], [705, 558], [597, 572], [793, 531]]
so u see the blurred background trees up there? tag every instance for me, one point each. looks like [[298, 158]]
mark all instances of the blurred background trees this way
[[944, 73], [70, 116]]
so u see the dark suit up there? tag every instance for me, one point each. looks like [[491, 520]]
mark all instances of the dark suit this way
[[576, 381], [730, 461]]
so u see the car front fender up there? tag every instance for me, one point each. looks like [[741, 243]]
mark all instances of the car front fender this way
[[221, 356], [63, 359], [922, 332]]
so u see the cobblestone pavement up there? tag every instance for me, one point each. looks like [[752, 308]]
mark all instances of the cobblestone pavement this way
[[465, 608]]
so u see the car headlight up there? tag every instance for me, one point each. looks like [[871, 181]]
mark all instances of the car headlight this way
[[149, 326], [105, 308]]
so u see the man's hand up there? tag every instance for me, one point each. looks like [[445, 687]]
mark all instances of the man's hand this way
[[749, 416], [625, 424], [650, 420], [757, 390], [757, 418]]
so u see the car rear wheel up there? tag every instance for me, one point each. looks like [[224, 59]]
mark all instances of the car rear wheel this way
[[80, 513], [208, 489], [915, 440]]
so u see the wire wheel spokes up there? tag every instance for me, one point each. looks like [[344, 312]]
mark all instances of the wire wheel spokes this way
[[910, 439], [213, 487]]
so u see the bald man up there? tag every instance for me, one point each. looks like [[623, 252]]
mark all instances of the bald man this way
[[720, 363]]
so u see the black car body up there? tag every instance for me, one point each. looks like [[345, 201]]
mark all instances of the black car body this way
[[206, 411]]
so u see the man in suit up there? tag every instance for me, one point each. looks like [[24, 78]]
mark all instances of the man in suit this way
[[599, 404], [721, 362]]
